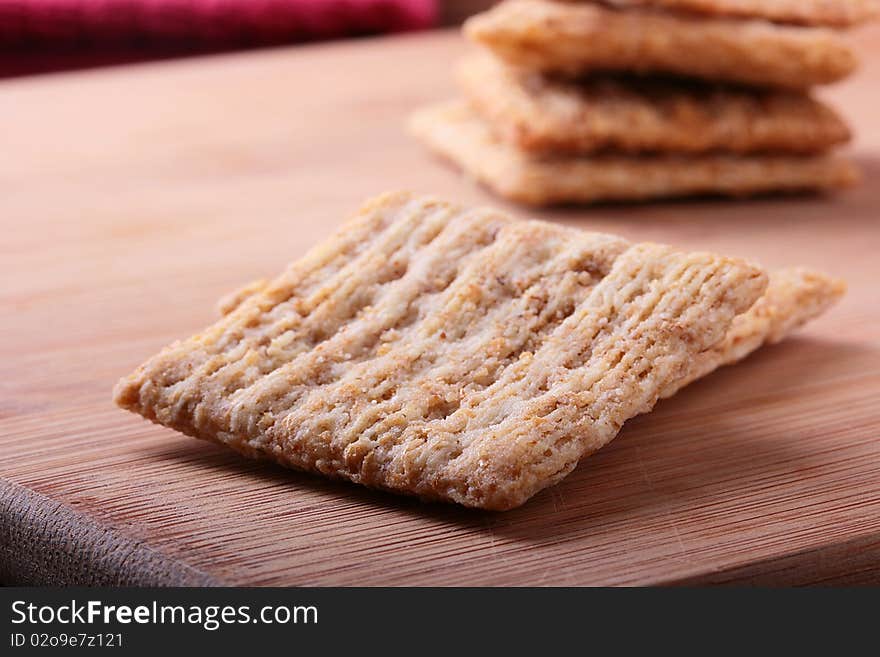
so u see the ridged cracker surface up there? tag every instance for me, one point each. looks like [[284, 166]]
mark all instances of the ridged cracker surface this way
[[542, 114], [833, 13], [446, 353], [576, 38], [794, 296], [457, 133]]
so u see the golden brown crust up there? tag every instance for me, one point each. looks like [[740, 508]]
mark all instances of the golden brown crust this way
[[793, 297], [577, 38], [831, 13], [235, 298], [541, 114], [447, 353], [454, 131]]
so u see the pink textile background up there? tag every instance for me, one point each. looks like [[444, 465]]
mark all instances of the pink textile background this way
[[44, 35]]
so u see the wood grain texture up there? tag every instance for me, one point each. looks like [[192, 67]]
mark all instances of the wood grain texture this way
[[133, 199]]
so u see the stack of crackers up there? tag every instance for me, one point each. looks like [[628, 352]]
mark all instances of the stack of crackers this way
[[634, 99]]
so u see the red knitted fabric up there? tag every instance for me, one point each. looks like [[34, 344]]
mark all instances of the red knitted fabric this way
[[46, 34]]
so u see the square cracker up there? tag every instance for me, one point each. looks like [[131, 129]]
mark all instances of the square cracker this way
[[832, 13], [446, 353], [578, 38], [543, 114], [457, 133]]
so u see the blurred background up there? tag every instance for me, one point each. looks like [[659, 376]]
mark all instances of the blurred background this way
[[40, 36]]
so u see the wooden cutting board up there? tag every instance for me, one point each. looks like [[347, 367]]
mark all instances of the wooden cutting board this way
[[132, 199]]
